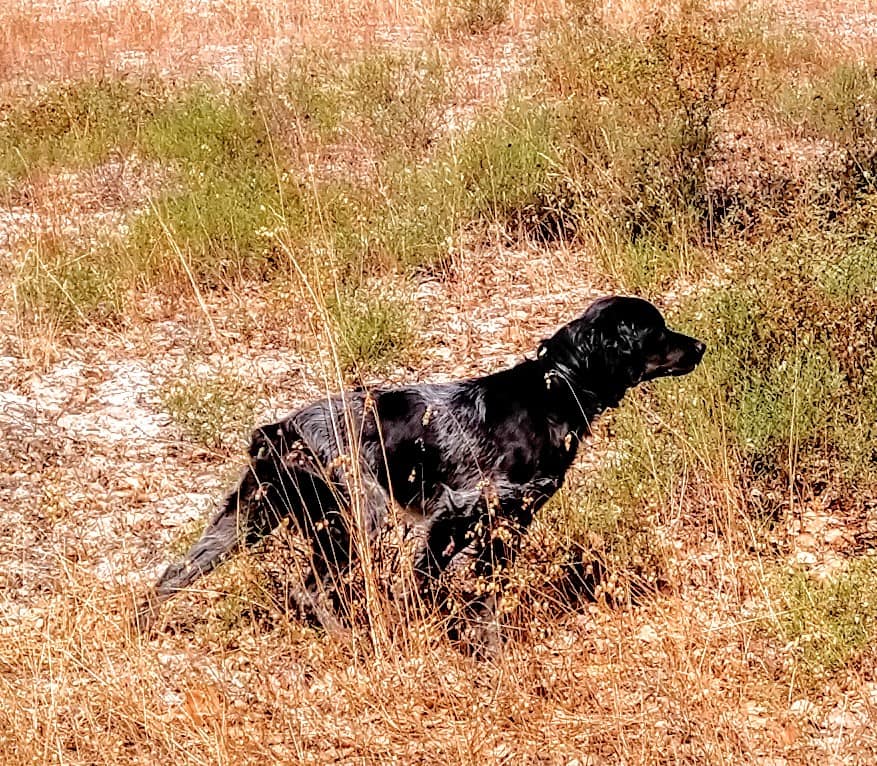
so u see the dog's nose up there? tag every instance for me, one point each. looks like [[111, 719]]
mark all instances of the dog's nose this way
[[699, 348]]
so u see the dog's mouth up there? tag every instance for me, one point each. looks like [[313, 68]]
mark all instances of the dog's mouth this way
[[675, 372], [686, 365], [668, 372], [680, 361]]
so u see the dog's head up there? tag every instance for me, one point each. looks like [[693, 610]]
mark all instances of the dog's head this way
[[616, 344]]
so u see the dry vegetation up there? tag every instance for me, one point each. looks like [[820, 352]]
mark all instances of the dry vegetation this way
[[213, 212]]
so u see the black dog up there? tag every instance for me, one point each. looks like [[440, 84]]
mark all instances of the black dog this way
[[473, 459]]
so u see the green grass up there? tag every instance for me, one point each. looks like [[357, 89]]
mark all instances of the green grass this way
[[238, 160], [802, 344], [852, 274], [67, 288], [649, 264], [217, 229], [786, 388], [595, 520], [239, 192], [839, 104], [501, 178], [829, 622], [468, 16], [510, 167], [240, 180], [643, 114], [398, 98], [73, 125], [422, 215], [306, 99], [226, 194]]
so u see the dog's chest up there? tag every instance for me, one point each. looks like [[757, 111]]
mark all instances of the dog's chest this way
[[536, 453]]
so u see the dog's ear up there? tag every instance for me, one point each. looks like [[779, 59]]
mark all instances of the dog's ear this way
[[572, 346], [624, 359]]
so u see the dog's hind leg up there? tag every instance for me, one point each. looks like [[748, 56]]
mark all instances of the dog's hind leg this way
[[272, 488]]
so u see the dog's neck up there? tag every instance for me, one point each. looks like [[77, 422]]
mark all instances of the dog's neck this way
[[578, 394]]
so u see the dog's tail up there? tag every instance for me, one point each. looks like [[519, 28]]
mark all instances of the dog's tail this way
[[223, 536]]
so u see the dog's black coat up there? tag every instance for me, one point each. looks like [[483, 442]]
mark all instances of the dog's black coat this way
[[454, 454]]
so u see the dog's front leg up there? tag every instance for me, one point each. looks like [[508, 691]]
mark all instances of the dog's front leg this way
[[470, 545], [448, 532]]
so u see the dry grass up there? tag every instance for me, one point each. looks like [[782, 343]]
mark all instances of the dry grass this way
[[44, 41], [665, 681], [735, 526]]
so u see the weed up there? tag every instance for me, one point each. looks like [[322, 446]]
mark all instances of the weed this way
[[502, 174], [468, 16], [311, 96], [510, 166], [214, 230], [74, 125], [855, 432], [852, 274], [839, 106], [646, 265], [785, 404], [373, 330], [211, 226], [792, 345], [420, 215], [596, 519], [643, 117], [399, 98], [66, 288], [204, 126], [214, 408], [233, 197]]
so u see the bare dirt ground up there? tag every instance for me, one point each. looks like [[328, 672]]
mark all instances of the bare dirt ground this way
[[96, 483]]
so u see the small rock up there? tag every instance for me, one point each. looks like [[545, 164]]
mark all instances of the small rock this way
[[804, 708], [807, 558]]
